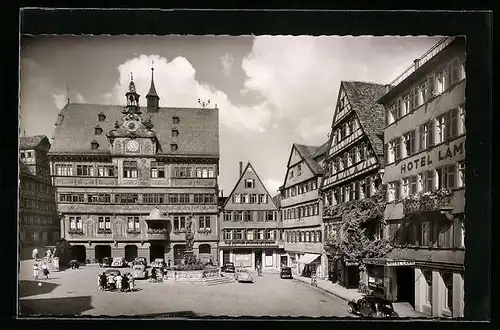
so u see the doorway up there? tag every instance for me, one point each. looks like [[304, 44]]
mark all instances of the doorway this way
[[258, 258], [156, 251], [102, 251], [130, 252], [179, 250], [79, 253], [405, 285], [225, 257], [284, 261]]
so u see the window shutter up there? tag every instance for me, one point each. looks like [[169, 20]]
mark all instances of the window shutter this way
[[431, 85], [431, 132], [398, 109]]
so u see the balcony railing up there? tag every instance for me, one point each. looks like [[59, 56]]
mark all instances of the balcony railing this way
[[76, 232], [157, 233], [441, 200]]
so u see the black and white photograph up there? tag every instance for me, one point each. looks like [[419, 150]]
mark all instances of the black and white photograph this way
[[253, 175]]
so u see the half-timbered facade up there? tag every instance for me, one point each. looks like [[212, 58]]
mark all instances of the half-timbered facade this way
[[425, 177], [301, 209], [249, 224], [354, 157], [128, 177]]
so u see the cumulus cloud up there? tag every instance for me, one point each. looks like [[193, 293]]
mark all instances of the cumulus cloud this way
[[177, 87], [272, 185], [227, 64]]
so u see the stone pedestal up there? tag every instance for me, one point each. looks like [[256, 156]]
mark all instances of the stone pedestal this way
[[189, 258]]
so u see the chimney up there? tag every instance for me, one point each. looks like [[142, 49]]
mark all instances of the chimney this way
[[222, 193], [416, 63], [241, 168]]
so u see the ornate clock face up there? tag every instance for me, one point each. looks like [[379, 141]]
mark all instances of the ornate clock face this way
[[132, 126], [132, 145]]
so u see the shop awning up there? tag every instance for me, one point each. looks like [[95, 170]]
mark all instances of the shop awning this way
[[308, 258]]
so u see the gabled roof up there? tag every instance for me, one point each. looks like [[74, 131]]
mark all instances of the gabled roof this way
[[198, 129], [24, 170], [308, 153], [322, 149], [31, 142], [239, 180], [363, 98]]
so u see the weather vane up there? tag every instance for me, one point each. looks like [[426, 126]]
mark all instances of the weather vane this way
[[131, 76]]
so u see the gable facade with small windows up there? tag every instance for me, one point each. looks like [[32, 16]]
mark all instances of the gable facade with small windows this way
[[249, 224], [355, 155], [425, 177], [301, 209], [113, 165], [38, 222]]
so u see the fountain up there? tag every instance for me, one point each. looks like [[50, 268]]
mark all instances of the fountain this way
[[189, 257]]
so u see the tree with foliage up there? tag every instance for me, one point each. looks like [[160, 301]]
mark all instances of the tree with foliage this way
[[63, 252], [361, 219]]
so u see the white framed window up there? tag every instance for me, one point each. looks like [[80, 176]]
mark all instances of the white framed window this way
[[461, 120], [347, 193], [227, 234], [64, 169], [425, 136], [250, 235], [244, 198], [446, 176], [157, 170], [237, 198], [461, 174], [249, 183], [351, 156], [423, 90], [408, 143], [405, 105], [394, 150], [440, 81], [227, 216], [391, 114], [426, 181]]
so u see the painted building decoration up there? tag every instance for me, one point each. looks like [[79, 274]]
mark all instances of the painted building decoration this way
[[249, 224], [127, 178]]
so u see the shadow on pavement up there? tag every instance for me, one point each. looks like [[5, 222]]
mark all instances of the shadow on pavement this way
[[69, 306], [31, 288]]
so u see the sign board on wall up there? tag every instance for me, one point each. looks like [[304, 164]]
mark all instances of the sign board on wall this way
[[243, 258]]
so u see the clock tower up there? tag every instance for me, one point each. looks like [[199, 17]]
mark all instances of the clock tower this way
[[134, 135]]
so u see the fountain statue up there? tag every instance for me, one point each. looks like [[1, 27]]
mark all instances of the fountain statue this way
[[189, 257]]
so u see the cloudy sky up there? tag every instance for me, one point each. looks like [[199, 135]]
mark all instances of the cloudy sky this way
[[272, 91]]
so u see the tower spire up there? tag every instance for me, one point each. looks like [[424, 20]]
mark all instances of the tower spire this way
[[132, 97], [152, 97], [67, 93]]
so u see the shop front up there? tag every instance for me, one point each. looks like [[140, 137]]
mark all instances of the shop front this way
[[309, 263]]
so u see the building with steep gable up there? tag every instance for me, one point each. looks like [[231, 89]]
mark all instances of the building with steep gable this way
[[128, 177], [355, 155], [249, 224], [38, 222], [301, 210]]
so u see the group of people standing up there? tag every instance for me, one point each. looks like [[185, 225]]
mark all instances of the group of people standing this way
[[40, 265], [121, 283]]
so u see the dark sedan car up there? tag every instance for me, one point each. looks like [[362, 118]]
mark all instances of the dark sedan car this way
[[286, 272], [228, 267], [371, 306]]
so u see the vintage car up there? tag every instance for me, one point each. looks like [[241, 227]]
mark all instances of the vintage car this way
[[158, 263], [228, 267], [286, 272], [119, 262], [242, 275], [106, 262], [114, 272], [139, 270], [137, 261], [372, 306]]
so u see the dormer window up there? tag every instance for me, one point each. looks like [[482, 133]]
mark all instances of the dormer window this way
[[101, 116], [249, 183], [175, 120], [174, 147], [97, 130], [94, 145], [175, 133]]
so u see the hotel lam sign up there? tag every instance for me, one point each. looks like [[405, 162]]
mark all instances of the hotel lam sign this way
[[440, 154]]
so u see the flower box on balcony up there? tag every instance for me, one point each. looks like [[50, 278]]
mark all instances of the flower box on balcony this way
[[104, 231], [133, 232], [204, 230], [440, 200], [75, 231], [159, 231]]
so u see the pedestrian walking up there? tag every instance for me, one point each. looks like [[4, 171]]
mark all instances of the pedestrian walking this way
[[131, 282], [103, 281], [153, 274], [118, 280], [125, 283], [45, 270], [111, 282], [34, 254], [169, 261], [35, 270]]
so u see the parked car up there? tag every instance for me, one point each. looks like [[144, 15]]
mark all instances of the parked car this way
[[139, 270], [106, 262], [286, 272], [228, 267], [119, 262], [114, 272], [242, 275], [138, 261], [371, 306], [158, 263]]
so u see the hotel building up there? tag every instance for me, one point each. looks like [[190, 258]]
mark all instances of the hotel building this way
[[354, 158], [127, 178], [425, 176]]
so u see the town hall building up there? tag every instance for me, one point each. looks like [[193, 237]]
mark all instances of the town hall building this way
[[128, 177]]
